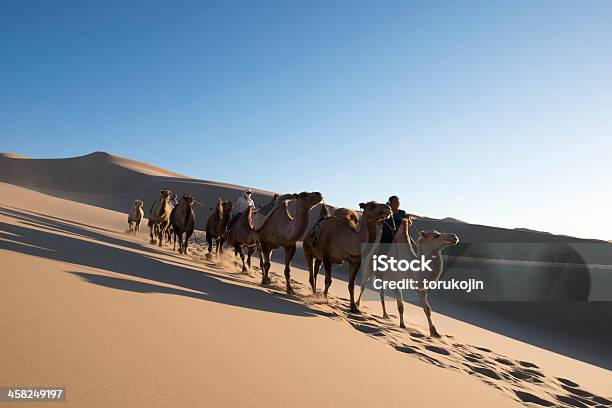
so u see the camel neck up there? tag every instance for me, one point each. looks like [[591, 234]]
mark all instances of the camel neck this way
[[299, 223], [363, 229], [437, 262], [402, 236]]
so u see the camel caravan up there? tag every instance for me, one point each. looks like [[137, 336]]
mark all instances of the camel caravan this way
[[336, 237]]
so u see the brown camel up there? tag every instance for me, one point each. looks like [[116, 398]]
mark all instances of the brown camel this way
[[216, 224], [135, 216], [182, 220], [159, 217], [339, 239], [280, 229], [241, 236], [430, 245]]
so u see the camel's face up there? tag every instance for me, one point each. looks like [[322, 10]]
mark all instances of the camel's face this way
[[435, 241], [376, 212], [190, 200], [164, 194], [310, 199], [227, 207], [138, 203]]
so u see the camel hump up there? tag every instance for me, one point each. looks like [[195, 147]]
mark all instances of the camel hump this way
[[261, 220], [347, 215]]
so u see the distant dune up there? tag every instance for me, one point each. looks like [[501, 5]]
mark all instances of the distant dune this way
[[113, 182], [13, 156], [451, 219]]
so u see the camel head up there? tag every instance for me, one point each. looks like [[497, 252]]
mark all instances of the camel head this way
[[164, 194], [219, 206], [433, 241], [308, 200], [189, 199], [375, 212], [227, 207], [138, 203], [324, 212]]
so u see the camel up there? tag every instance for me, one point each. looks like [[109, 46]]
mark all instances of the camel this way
[[135, 215], [182, 220], [241, 236], [281, 229], [216, 224], [159, 217], [339, 239], [430, 245]]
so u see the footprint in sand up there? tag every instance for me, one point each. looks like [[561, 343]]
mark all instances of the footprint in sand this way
[[522, 375], [485, 371], [568, 382], [411, 350], [504, 361], [528, 364], [527, 397], [371, 330], [438, 350], [572, 401]]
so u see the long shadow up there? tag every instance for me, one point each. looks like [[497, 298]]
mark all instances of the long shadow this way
[[198, 283], [72, 227]]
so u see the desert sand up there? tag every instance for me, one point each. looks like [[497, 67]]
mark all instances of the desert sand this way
[[119, 322]]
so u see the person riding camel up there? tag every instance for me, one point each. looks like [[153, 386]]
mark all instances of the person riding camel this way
[[173, 200], [245, 201], [392, 223]]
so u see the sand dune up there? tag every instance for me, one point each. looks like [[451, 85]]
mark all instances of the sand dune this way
[[122, 323], [113, 182]]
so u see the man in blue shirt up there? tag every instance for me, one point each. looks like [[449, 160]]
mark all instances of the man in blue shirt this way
[[392, 223]]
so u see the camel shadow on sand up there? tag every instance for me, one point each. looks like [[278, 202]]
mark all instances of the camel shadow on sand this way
[[44, 237], [62, 240]]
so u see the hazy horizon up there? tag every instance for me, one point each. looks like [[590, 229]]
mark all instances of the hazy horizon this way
[[496, 114]]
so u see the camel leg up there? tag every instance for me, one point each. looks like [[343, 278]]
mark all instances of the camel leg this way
[[328, 277], [161, 235], [362, 288], [317, 267], [265, 254], [137, 228], [261, 263], [399, 297], [365, 278], [187, 236], [289, 253], [151, 230], [238, 250], [220, 243], [250, 251], [427, 309], [382, 302], [354, 268], [174, 245], [309, 262], [209, 240]]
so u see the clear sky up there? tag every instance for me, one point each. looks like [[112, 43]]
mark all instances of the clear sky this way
[[492, 112]]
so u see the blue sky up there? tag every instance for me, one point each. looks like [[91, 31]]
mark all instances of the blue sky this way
[[496, 113]]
